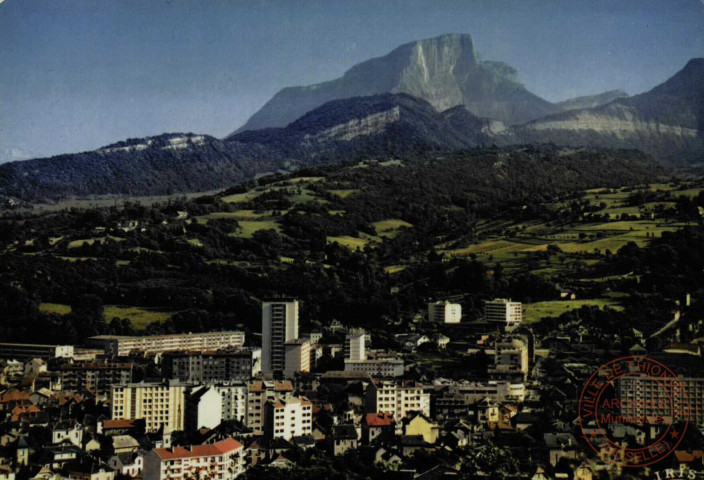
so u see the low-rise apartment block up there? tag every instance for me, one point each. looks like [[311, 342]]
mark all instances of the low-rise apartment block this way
[[209, 367], [397, 398], [123, 345], [92, 376], [288, 418], [223, 460]]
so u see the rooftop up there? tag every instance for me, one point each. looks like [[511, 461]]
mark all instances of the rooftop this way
[[219, 448]]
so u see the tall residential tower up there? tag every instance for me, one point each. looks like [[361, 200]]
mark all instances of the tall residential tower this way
[[279, 326]]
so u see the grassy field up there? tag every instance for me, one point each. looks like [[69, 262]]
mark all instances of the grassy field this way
[[534, 312], [391, 227], [343, 193], [248, 227], [138, 317], [352, 243], [91, 241]]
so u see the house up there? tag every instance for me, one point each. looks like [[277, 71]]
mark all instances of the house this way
[[378, 425], [120, 426], [67, 431], [418, 424], [282, 462], [125, 444], [130, 464], [341, 439]]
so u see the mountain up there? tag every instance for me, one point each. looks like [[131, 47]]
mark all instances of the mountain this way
[[445, 71], [590, 101], [667, 121], [343, 130]]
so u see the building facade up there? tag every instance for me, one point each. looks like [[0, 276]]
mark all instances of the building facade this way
[[223, 460], [258, 393], [209, 367], [355, 345], [297, 357], [504, 312], [279, 326], [159, 404], [287, 418], [444, 312], [92, 376], [397, 398], [123, 345]]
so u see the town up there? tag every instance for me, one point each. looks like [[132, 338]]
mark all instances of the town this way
[[218, 405]]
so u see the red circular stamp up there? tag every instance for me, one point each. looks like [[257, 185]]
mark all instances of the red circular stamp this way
[[633, 411]]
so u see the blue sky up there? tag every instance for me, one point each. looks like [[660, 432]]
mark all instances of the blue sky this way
[[79, 74]]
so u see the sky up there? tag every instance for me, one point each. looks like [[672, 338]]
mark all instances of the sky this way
[[76, 75]]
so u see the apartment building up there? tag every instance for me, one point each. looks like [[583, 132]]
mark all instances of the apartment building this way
[[377, 367], [355, 345], [233, 400], [209, 367], [28, 351], [223, 460], [397, 398], [258, 392], [494, 390], [159, 404], [123, 345], [203, 409], [92, 376], [511, 358], [504, 312], [287, 418], [279, 326], [297, 357], [444, 312]]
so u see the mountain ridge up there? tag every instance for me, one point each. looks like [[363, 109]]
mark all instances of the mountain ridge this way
[[445, 70]]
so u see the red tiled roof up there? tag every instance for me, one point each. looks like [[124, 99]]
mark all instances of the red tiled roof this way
[[219, 448], [120, 423], [20, 410], [14, 396], [379, 419]]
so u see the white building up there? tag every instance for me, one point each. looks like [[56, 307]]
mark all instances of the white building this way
[[297, 357], [279, 326], [355, 345], [159, 403], [445, 312], [258, 392], [67, 432], [223, 460], [122, 345], [497, 391], [377, 367], [288, 418], [397, 398], [233, 398], [503, 311], [203, 408]]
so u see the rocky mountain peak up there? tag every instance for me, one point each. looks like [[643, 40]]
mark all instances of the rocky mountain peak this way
[[445, 71]]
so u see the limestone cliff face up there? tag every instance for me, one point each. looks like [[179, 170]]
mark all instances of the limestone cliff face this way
[[445, 71]]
